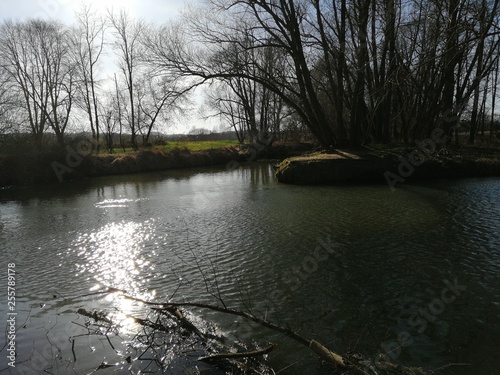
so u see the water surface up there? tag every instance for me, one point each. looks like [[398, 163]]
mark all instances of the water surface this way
[[355, 267]]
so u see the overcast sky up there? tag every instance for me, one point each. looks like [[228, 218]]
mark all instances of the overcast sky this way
[[151, 10]]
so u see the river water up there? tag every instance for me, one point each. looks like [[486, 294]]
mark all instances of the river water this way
[[413, 274]]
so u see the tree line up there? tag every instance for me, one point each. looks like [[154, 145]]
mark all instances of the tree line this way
[[351, 72], [52, 75]]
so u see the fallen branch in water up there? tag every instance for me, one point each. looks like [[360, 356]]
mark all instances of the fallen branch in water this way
[[185, 323], [354, 364], [98, 316], [254, 353], [175, 325]]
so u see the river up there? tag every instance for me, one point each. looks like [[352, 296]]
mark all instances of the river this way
[[413, 274]]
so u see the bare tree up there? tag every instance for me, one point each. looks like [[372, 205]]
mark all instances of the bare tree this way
[[494, 96], [360, 70], [352, 71], [253, 110], [109, 112], [8, 104], [279, 25], [119, 100], [26, 72], [228, 107], [159, 98], [60, 80], [35, 55], [484, 56], [128, 46], [88, 47]]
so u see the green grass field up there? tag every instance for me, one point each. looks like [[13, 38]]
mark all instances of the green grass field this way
[[170, 146], [198, 145]]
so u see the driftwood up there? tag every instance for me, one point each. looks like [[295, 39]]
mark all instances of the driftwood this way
[[98, 316], [254, 353], [234, 358], [353, 364], [185, 323]]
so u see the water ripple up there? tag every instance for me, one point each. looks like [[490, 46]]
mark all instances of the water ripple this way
[[241, 234]]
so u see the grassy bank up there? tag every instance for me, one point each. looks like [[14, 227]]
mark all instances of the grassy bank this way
[[172, 146], [392, 164], [74, 162], [154, 160]]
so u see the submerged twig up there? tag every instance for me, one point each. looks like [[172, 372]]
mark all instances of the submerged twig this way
[[253, 353], [157, 336], [353, 363]]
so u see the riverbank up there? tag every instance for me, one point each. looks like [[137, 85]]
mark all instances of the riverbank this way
[[75, 162], [393, 165], [69, 164], [300, 165], [148, 161]]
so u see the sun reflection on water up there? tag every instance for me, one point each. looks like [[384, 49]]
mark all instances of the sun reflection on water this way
[[114, 256]]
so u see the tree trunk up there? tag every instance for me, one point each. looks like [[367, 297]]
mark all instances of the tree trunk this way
[[480, 54], [451, 60], [359, 110]]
